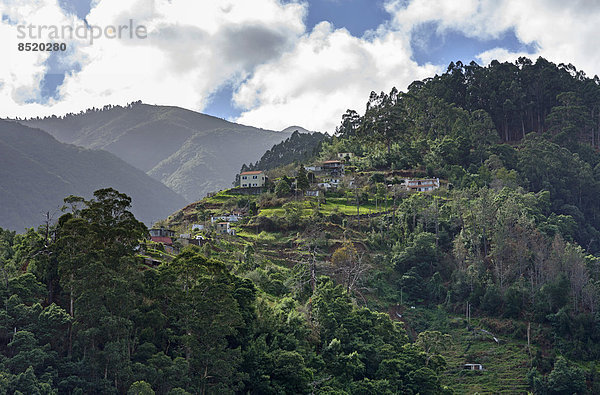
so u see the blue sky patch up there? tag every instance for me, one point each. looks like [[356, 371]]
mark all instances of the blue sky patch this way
[[78, 7], [6, 18], [358, 16], [55, 76], [431, 47], [221, 104]]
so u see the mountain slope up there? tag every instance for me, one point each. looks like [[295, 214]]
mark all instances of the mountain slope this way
[[38, 172], [192, 153], [299, 147]]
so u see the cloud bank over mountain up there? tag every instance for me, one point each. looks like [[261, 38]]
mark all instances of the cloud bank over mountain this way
[[279, 70]]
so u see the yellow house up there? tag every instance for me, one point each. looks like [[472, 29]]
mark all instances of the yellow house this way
[[252, 179]]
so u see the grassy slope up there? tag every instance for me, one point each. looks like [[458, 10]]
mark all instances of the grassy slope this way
[[331, 206], [506, 363]]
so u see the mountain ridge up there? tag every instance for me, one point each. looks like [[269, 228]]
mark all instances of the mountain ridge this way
[[38, 171], [190, 152]]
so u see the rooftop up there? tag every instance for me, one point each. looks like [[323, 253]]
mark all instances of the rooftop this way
[[247, 173]]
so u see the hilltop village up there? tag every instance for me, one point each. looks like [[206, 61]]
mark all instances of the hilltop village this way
[[373, 192]]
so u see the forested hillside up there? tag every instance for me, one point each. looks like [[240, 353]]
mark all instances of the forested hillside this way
[[369, 287], [450, 125], [298, 148], [513, 236], [82, 314], [516, 236]]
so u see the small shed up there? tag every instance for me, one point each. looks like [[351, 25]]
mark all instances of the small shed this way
[[473, 366]]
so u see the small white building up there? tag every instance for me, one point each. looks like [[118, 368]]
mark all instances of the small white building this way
[[252, 179], [344, 155], [196, 227], [422, 185]]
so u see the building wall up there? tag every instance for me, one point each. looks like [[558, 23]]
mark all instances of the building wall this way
[[422, 185], [161, 232], [223, 228], [252, 180]]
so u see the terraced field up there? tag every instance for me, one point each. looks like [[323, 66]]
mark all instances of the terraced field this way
[[506, 363]]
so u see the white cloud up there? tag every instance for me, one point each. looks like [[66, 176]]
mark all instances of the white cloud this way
[[563, 32], [21, 72], [326, 73], [192, 48], [475, 18], [500, 54], [282, 73]]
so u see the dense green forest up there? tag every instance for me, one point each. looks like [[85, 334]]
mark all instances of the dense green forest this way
[[299, 147], [529, 125], [367, 289], [516, 235], [80, 314]]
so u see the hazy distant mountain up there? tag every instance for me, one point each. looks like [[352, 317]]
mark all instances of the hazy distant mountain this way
[[292, 129], [192, 153], [37, 172]]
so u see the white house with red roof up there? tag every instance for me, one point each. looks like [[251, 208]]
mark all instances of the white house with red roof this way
[[252, 179]]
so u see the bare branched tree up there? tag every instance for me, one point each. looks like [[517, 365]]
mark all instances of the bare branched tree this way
[[350, 267]]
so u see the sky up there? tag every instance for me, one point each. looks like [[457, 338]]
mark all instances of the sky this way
[[269, 63]]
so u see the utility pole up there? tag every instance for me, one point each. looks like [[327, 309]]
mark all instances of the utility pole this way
[[468, 313], [357, 208], [528, 338]]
